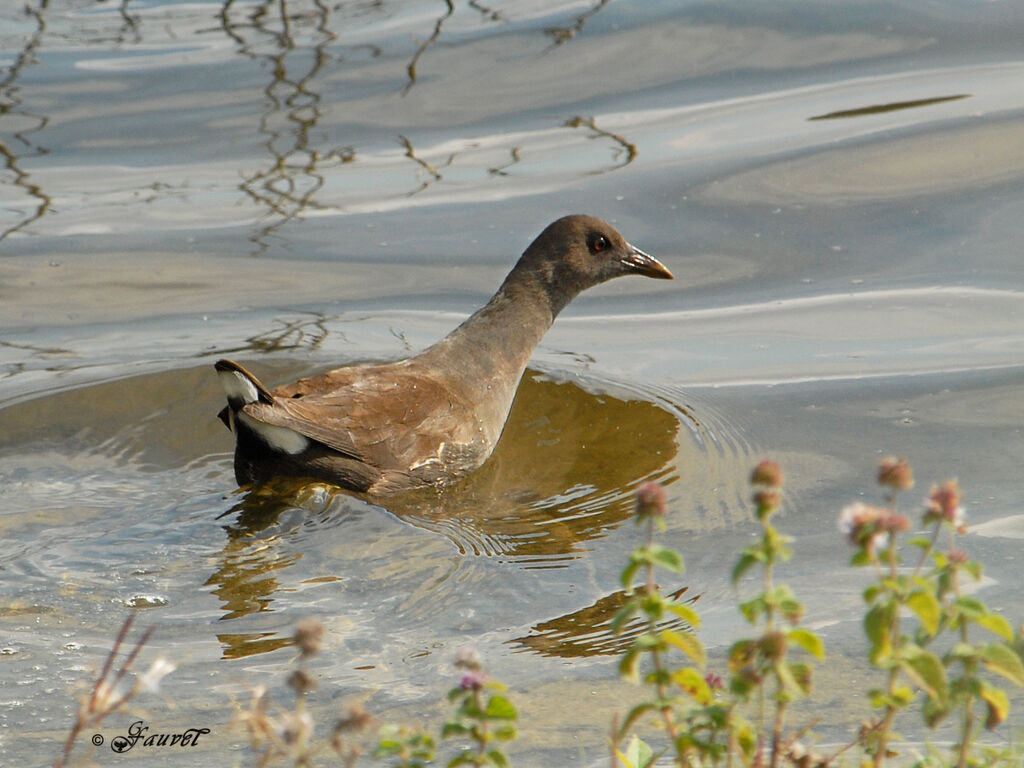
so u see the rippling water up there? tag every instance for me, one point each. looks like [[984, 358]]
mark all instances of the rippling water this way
[[298, 185]]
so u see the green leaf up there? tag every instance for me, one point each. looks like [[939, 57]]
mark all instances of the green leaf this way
[[902, 695], [744, 564], [877, 626], [925, 669], [997, 625], [497, 758], [795, 677], [629, 665], [638, 753], [686, 642], [740, 653], [809, 641], [1003, 661], [927, 609], [506, 732], [666, 558], [790, 688], [753, 609], [452, 728], [623, 616], [997, 706], [860, 558], [934, 712], [500, 708], [635, 714], [686, 613], [693, 682], [628, 573], [971, 607]]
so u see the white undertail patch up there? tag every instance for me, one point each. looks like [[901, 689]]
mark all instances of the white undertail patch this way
[[279, 439], [238, 387]]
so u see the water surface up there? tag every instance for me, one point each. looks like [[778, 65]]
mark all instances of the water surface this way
[[301, 186]]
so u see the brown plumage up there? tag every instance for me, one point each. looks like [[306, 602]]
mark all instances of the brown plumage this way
[[435, 417]]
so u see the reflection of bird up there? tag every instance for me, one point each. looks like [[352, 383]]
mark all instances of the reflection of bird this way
[[433, 418]]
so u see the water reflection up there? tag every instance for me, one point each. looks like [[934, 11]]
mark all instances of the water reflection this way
[[270, 35], [627, 147], [587, 632], [308, 140], [877, 109], [21, 144], [561, 478], [562, 35], [562, 474], [411, 67]]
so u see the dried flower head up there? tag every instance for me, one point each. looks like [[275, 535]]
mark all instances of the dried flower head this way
[[468, 658], [295, 728], [943, 503], [867, 526], [892, 523], [355, 719], [301, 681], [767, 473], [767, 499], [958, 556], [650, 500], [473, 680], [895, 472], [309, 635]]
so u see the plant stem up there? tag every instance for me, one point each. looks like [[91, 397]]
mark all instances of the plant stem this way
[[651, 588], [970, 665], [886, 725]]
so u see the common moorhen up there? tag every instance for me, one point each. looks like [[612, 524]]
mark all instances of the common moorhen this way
[[435, 417]]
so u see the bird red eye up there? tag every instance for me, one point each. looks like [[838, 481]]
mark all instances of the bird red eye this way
[[599, 243]]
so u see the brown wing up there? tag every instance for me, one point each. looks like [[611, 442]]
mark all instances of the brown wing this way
[[390, 416]]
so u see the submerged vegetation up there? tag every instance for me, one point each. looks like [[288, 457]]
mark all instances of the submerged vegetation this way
[[929, 642]]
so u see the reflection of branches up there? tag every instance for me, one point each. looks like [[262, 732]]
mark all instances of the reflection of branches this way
[[288, 186], [131, 23], [501, 169], [423, 164], [411, 68], [43, 351], [292, 334], [626, 146], [9, 105], [564, 34], [487, 13], [309, 332]]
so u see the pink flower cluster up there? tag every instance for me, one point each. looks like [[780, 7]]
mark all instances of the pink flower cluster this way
[[943, 503], [870, 527]]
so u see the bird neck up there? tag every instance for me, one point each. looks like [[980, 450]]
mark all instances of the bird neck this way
[[499, 338]]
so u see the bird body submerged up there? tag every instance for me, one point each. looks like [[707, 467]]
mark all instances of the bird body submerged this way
[[433, 418]]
